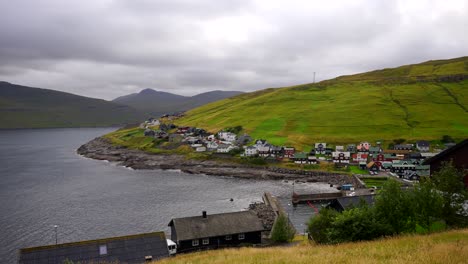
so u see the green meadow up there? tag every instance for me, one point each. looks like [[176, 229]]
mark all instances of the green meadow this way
[[410, 102]]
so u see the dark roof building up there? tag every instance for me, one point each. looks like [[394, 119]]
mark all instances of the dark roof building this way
[[125, 249], [342, 203], [458, 154], [217, 230]]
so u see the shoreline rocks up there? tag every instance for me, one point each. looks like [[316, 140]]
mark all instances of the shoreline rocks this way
[[102, 149]]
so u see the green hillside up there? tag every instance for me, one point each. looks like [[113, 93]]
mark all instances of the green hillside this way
[[26, 107], [421, 101]]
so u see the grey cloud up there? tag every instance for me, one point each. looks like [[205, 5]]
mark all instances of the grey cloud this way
[[110, 48]]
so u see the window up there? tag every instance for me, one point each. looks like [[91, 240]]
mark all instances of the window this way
[[206, 241], [241, 236], [195, 242], [228, 237], [103, 250]]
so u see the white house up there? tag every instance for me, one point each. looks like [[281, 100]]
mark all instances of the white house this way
[[320, 148], [312, 159], [212, 145], [228, 136], [223, 148], [263, 151], [339, 148], [341, 156], [250, 151], [260, 142], [200, 149]]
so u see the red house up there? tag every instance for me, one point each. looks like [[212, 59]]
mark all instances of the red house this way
[[289, 152]]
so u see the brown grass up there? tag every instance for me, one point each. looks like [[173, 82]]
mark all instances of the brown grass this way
[[447, 247]]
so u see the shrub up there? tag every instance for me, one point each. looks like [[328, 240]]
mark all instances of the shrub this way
[[319, 226], [282, 230]]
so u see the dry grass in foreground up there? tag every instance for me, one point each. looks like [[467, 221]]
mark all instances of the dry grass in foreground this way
[[447, 247]]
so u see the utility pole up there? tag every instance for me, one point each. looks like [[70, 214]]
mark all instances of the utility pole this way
[[314, 77], [56, 238]]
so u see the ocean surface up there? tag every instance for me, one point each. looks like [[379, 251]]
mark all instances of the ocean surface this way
[[43, 182]]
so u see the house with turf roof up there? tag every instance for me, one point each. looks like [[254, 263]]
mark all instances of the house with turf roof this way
[[300, 158], [375, 150], [386, 166]]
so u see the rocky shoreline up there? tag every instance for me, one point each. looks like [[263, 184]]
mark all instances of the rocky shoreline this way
[[101, 149]]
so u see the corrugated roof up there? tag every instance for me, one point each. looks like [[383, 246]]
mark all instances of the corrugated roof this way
[[124, 249], [197, 227]]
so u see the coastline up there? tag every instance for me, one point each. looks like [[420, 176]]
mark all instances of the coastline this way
[[102, 149]]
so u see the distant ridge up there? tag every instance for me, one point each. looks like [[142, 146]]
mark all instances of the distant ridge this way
[[28, 107], [157, 103]]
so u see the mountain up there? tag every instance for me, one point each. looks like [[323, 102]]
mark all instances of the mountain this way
[[419, 101], [27, 107], [157, 103]]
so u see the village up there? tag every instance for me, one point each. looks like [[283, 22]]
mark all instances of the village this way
[[257, 225], [404, 161]]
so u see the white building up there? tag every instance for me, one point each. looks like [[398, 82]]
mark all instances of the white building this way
[[341, 156], [228, 136], [250, 151]]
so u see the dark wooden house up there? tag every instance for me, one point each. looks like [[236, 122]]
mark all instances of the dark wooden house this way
[[125, 249], [216, 230], [372, 166], [458, 154]]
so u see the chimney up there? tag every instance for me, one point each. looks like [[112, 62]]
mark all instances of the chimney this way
[[204, 214]]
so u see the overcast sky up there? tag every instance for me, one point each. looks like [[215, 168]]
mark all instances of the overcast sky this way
[[109, 48]]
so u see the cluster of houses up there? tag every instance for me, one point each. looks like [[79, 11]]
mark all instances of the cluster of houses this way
[[404, 160]]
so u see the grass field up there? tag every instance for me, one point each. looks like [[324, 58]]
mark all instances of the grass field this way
[[374, 181], [386, 104], [447, 247]]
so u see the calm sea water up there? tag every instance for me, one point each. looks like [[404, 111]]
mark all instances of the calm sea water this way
[[43, 182]]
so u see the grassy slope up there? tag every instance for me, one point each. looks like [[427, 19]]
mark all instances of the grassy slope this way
[[447, 247], [26, 107], [385, 104]]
